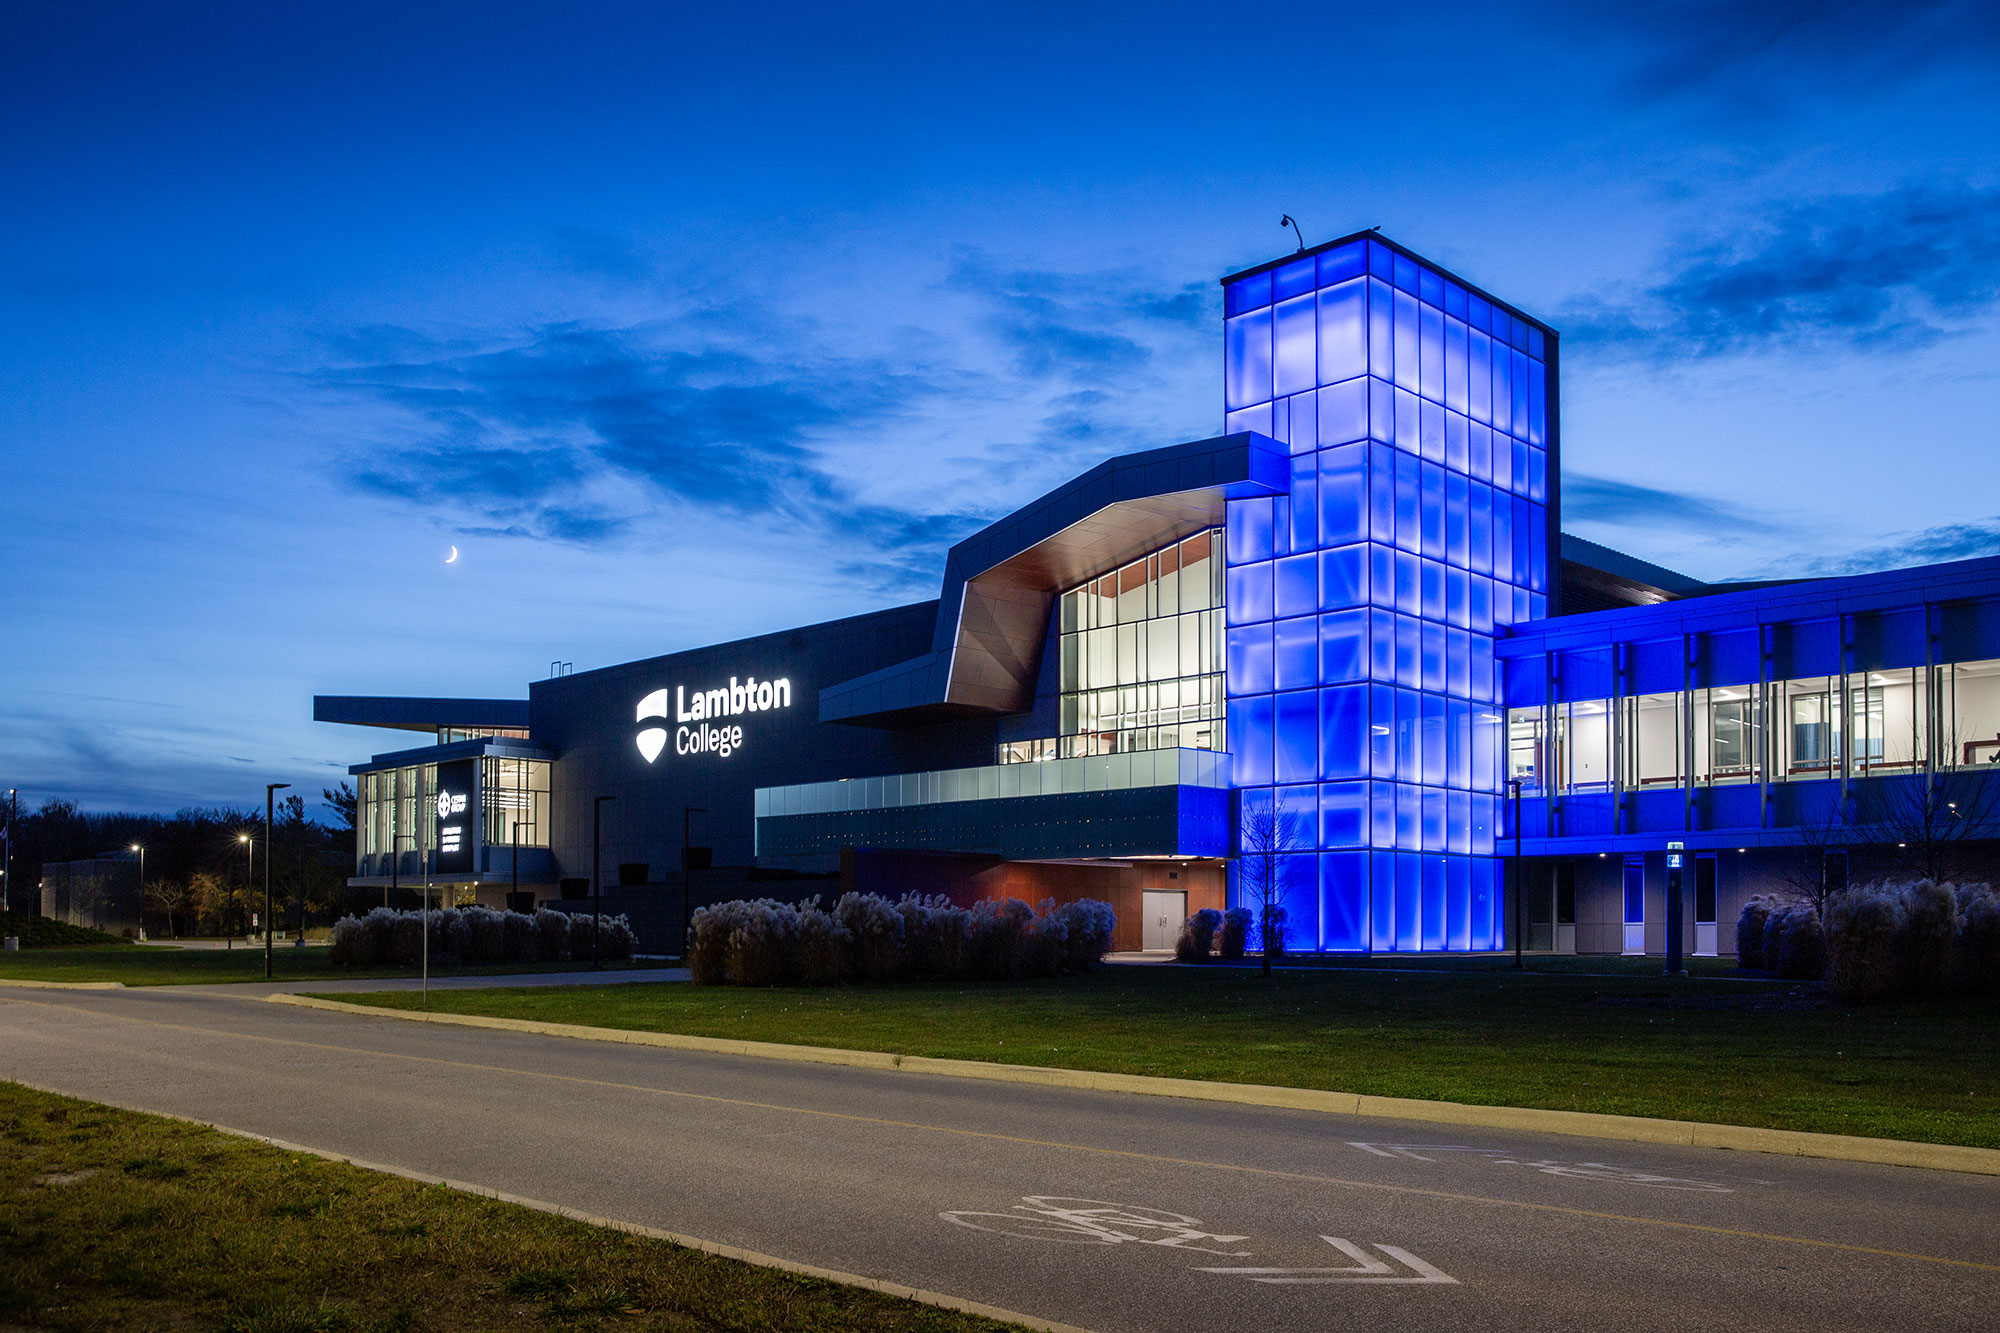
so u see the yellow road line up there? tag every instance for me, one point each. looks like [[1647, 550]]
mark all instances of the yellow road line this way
[[1702, 1228]]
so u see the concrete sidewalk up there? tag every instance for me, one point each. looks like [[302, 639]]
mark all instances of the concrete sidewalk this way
[[257, 990]]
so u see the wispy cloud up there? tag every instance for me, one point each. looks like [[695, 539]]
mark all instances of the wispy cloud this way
[[1925, 546], [1757, 53], [1588, 499], [1895, 271], [580, 430]]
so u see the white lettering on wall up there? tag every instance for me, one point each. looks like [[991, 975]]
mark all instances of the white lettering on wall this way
[[696, 711]]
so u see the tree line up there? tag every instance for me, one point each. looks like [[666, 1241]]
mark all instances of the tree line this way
[[201, 875]]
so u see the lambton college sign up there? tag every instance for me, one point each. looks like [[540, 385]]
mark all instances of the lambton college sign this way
[[697, 714]]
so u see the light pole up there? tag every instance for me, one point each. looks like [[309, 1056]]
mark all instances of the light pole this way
[[7, 871], [687, 872], [1520, 894], [142, 890], [597, 881], [271, 790], [249, 876]]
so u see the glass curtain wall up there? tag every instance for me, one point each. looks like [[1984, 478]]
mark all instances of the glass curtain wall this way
[[1142, 657], [394, 810], [1363, 604], [514, 797], [1815, 728]]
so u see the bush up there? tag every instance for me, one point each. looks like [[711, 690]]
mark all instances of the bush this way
[[551, 934], [1235, 932], [866, 937], [1977, 952], [348, 943], [761, 950], [618, 939], [993, 937], [582, 935], [708, 942], [875, 931], [1801, 944], [1866, 954], [1930, 913], [1088, 923], [1750, 931], [826, 947], [517, 937], [1197, 938], [483, 933]]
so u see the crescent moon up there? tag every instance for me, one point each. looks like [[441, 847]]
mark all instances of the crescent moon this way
[[453, 557]]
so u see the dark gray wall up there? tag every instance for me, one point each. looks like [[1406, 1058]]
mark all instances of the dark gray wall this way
[[589, 720]]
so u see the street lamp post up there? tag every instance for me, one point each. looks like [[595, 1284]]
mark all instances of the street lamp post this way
[[687, 872], [1520, 890], [139, 848], [597, 881], [249, 876], [271, 790], [7, 871]]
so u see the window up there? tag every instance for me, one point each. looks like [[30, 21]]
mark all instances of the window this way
[[1142, 657], [514, 794]]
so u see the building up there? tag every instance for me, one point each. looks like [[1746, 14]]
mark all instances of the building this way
[[1349, 627], [101, 893]]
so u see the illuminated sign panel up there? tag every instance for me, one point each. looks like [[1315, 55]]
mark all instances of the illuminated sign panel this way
[[454, 817], [699, 716]]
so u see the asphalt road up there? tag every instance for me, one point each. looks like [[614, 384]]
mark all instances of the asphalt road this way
[[1102, 1210]]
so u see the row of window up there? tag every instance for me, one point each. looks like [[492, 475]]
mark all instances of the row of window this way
[[1363, 327], [1360, 731], [1345, 647], [1184, 577], [395, 806], [1141, 657], [1371, 493], [1390, 901], [1332, 267], [1358, 576], [1866, 724]]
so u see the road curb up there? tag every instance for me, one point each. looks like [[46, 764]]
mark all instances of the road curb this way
[[1584, 1124], [899, 1290], [61, 985]]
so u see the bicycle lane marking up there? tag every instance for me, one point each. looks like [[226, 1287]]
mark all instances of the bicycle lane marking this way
[[1604, 1171], [1272, 1173], [1064, 1220]]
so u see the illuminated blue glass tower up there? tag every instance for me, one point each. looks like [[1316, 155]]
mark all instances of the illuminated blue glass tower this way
[[1363, 699]]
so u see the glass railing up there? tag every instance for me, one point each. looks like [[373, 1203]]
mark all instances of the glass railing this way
[[996, 782]]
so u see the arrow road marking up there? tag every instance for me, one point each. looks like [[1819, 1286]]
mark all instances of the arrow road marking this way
[[1366, 1269]]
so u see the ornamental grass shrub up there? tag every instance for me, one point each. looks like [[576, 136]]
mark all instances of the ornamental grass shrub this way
[[1750, 930], [1867, 958], [1235, 937], [1977, 957], [551, 934], [875, 931], [1930, 930], [473, 935], [1090, 922], [1197, 938], [865, 937], [1277, 926], [1801, 944]]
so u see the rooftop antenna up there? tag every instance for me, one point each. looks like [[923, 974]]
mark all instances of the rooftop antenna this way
[[1286, 221]]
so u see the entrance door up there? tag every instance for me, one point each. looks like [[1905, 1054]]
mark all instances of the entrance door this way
[[1566, 908], [1164, 911], [1635, 904], [1704, 907]]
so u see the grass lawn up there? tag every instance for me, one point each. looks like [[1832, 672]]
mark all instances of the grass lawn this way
[[115, 1220], [150, 965], [1727, 1051]]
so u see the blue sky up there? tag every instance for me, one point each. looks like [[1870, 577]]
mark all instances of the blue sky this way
[[684, 324]]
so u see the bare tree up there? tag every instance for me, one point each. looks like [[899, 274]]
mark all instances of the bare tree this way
[[1804, 867], [1266, 868], [1931, 825]]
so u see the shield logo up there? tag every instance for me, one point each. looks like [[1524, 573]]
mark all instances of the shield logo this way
[[653, 739]]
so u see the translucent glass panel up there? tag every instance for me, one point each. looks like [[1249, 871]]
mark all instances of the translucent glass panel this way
[[514, 796], [1143, 650], [387, 814], [1363, 604], [1113, 772], [1876, 723]]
